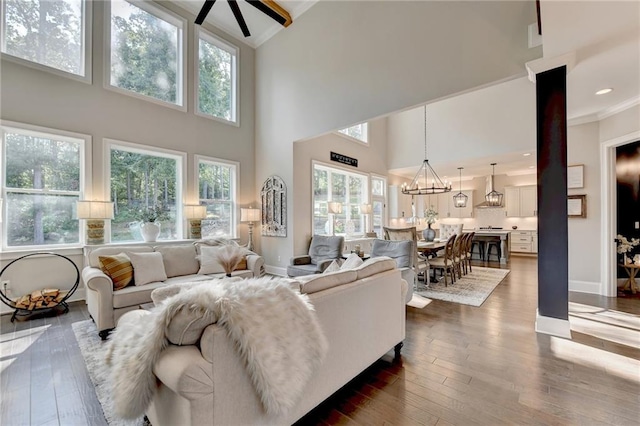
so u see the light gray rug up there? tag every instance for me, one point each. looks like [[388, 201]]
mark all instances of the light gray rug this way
[[472, 289], [93, 351]]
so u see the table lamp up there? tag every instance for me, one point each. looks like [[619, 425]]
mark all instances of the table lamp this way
[[250, 215], [194, 213], [94, 213], [366, 210], [334, 208]]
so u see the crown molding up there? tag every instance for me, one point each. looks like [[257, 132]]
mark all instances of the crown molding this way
[[545, 64], [295, 13], [615, 109]]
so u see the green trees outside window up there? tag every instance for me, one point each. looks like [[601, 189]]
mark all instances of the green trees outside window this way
[[216, 77], [217, 191]]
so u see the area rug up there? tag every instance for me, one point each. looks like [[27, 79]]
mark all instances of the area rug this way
[[418, 301], [472, 289], [93, 350]]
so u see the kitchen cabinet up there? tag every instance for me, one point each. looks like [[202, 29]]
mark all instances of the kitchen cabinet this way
[[521, 201], [524, 241], [447, 209], [399, 203]]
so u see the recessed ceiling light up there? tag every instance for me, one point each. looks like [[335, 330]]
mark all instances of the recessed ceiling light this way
[[604, 91], [526, 154]]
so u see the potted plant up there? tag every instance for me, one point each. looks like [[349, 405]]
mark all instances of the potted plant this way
[[151, 216], [431, 215]]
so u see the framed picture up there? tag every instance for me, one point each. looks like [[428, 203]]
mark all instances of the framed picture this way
[[577, 206], [575, 176]]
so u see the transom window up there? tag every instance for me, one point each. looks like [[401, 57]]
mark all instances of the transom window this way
[[54, 34], [43, 177], [359, 132], [217, 79], [144, 179], [217, 189], [146, 49], [349, 189]]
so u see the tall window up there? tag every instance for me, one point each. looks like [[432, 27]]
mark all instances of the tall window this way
[[52, 33], [217, 79], [146, 51], [217, 186], [143, 179], [43, 178], [349, 189], [378, 200], [359, 132]]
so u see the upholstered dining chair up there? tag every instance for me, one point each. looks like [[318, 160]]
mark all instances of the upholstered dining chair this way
[[446, 262], [449, 229], [420, 263], [458, 252]]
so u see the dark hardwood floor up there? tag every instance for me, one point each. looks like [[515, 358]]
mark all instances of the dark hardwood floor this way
[[460, 365]]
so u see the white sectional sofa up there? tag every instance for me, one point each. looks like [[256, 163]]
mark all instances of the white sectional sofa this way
[[361, 312], [180, 263]]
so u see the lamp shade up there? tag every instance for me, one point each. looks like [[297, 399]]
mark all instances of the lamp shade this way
[[250, 215], [365, 208], [335, 207], [194, 211], [94, 210]]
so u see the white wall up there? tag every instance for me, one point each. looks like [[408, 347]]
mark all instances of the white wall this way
[[345, 62], [43, 99]]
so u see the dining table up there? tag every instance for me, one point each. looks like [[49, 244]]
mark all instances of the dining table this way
[[430, 248]]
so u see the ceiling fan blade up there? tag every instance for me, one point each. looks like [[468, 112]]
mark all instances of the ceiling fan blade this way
[[272, 9], [208, 4], [236, 12]]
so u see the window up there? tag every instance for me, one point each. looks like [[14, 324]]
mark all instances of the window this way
[[49, 34], [43, 177], [217, 185], [217, 77], [146, 48], [347, 188], [378, 199], [359, 132], [141, 179]]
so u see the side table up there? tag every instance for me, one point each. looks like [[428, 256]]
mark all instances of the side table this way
[[632, 270]]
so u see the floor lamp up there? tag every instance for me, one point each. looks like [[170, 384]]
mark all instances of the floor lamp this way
[[194, 213], [334, 208], [250, 215], [94, 213]]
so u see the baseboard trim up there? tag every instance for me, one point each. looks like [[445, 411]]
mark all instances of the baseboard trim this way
[[275, 270], [585, 286], [553, 326]]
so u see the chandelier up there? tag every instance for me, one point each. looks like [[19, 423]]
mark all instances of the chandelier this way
[[426, 180], [493, 198], [460, 199]]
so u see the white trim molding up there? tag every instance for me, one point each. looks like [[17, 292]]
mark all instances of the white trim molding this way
[[545, 64], [275, 270], [591, 287], [553, 326]]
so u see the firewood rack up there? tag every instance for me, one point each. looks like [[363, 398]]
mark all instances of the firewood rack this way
[[22, 312]]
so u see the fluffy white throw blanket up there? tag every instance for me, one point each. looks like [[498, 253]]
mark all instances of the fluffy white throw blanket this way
[[274, 327]]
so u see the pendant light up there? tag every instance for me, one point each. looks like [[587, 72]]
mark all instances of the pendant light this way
[[493, 198], [426, 180], [460, 199]]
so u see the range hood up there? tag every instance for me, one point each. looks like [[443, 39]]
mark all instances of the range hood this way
[[485, 204]]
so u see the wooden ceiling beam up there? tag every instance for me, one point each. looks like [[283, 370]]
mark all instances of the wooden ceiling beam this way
[[274, 10]]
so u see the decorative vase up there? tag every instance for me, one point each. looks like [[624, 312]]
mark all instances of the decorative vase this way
[[150, 231], [428, 234]]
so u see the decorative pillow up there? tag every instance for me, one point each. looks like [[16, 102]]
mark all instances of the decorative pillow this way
[[179, 260], [209, 261], [333, 267], [147, 267], [118, 268], [242, 265], [352, 262]]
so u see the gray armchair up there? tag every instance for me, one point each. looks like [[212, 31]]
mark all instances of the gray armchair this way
[[323, 250], [402, 252]]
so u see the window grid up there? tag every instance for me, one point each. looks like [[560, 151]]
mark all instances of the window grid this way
[[358, 132], [217, 189]]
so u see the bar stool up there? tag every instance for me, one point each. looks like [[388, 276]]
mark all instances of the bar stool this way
[[480, 245], [490, 245]]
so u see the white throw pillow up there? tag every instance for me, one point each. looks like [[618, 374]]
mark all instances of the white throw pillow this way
[[209, 261], [352, 262], [147, 267], [333, 267]]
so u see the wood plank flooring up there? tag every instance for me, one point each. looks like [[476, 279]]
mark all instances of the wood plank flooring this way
[[460, 365]]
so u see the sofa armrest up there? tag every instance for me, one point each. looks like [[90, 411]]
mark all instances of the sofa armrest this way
[[324, 264], [99, 298], [304, 259], [97, 280], [183, 370], [255, 263]]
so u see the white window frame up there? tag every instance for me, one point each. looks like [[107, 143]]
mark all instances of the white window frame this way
[[181, 166], [159, 12], [87, 13], [211, 38], [351, 138], [380, 198], [235, 181], [330, 168], [84, 192]]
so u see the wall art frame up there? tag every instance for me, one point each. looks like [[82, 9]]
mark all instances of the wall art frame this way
[[273, 196], [577, 206]]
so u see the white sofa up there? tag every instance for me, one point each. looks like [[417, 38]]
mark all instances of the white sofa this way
[[361, 312], [106, 305]]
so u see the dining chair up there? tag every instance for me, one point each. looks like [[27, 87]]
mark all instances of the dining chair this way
[[420, 263], [468, 243], [446, 261], [457, 254]]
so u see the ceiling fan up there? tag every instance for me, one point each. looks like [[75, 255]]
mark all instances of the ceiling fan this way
[[268, 7]]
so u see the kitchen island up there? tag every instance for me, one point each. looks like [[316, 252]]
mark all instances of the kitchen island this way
[[497, 235]]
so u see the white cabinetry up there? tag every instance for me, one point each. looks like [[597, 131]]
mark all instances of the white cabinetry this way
[[524, 241], [399, 203], [447, 209], [521, 201]]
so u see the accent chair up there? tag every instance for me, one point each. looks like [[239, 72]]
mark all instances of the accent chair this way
[[323, 250]]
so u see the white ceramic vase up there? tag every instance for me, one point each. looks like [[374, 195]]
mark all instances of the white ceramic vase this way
[[150, 231]]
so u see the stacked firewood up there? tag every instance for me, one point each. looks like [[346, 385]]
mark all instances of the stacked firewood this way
[[45, 298]]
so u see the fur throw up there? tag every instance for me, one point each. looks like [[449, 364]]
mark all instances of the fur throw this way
[[274, 327]]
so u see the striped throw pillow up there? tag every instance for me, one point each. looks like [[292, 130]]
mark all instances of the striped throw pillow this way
[[118, 267]]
